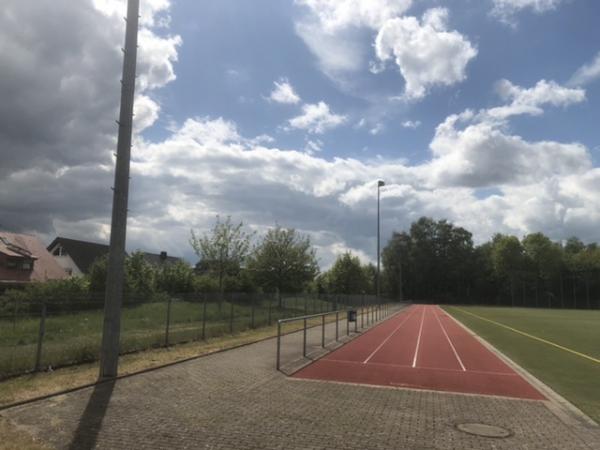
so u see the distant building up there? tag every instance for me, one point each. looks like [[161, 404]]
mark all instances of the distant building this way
[[157, 259], [74, 256], [24, 259]]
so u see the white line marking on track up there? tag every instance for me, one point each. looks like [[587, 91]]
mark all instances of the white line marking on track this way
[[450, 342], [414, 364], [435, 369], [387, 338]]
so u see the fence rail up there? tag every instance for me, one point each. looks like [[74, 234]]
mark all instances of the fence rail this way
[[53, 332], [374, 313]]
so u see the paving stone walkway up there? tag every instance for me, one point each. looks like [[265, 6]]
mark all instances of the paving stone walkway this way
[[236, 400]]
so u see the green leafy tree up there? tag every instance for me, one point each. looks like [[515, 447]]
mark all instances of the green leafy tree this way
[[222, 251], [508, 260], [175, 278], [395, 258], [284, 261], [545, 260], [347, 276], [140, 276], [586, 263]]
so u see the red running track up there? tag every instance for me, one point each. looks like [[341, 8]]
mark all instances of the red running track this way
[[423, 348]]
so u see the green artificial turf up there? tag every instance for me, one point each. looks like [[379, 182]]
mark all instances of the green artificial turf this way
[[572, 376]]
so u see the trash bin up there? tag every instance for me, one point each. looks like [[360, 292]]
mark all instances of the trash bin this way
[[352, 315]]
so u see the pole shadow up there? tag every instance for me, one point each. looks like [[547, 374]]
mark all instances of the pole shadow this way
[[90, 423]]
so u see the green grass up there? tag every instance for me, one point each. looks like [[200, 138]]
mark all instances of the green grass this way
[[75, 337], [572, 376]]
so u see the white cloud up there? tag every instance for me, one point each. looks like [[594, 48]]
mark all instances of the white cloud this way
[[317, 118], [505, 9], [334, 31], [334, 15], [480, 154], [473, 149], [284, 93], [313, 146], [426, 53], [342, 51], [587, 73], [411, 124], [529, 101]]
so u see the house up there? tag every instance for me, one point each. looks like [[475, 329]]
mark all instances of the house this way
[[24, 259], [160, 259], [74, 256]]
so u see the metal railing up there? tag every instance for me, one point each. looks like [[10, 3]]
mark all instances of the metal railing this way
[[367, 315]]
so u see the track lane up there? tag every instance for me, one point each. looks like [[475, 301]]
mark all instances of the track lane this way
[[448, 359], [473, 354], [435, 351], [368, 342], [400, 348]]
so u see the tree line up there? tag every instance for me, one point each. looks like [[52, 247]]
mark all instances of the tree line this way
[[438, 261], [434, 261]]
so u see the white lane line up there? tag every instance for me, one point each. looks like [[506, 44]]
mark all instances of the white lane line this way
[[450, 342], [432, 369], [414, 364], [388, 338]]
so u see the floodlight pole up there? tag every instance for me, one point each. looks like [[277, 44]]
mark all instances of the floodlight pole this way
[[109, 352], [380, 183]]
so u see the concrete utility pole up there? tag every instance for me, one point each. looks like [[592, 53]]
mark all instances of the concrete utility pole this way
[[109, 352]]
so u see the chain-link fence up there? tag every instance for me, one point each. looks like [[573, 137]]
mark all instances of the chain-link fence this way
[[53, 333]]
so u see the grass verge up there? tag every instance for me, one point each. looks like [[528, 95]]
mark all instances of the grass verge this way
[[572, 376]]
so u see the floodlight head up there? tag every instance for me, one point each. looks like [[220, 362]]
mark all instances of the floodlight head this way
[[380, 183]]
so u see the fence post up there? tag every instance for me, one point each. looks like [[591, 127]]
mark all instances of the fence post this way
[[304, 340], [42, 332], [252, 312], [337, 315], [347, 325], [270, 300], [168, 324], [278, 343], [323, 331], [231, 315], [356, 325], [362, 317], [204, 317]]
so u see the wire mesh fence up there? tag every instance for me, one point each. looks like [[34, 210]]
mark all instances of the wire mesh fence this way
[[53, 333]]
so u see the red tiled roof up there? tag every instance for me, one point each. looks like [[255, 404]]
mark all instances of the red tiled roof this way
[[45, 266]]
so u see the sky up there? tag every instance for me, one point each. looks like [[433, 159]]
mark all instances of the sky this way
[[481, 112]]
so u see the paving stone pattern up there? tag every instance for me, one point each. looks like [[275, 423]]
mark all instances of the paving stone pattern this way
[[236, 400]]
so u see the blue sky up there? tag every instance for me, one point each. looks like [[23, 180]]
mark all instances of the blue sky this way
[[482, 112], [233, 51]]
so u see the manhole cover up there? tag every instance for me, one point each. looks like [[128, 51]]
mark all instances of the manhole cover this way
[[482, 429]]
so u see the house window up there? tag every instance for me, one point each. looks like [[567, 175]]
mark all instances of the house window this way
[[11, 264], [58, 251], [27, 265]]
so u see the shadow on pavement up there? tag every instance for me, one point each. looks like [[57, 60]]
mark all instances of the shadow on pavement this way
[[90, 423]]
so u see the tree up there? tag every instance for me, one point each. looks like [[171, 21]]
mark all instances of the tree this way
[[347, 276], [507, 259], [175, 278], [139, 278], [586, 263], [284, 261], [432, 261], [395, 257], [223, 251], [546, 259]]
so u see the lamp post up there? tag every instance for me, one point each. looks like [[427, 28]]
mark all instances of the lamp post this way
[[380, 184]]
